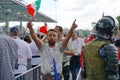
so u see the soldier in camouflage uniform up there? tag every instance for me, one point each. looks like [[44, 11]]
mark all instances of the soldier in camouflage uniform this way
[[101, 56]]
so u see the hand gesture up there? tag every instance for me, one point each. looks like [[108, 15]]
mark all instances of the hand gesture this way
[[29, 25], [74, 25]]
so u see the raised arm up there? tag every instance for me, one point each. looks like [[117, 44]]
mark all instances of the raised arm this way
[[33, 35], [69, 34]]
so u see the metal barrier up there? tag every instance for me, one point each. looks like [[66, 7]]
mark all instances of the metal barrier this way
[[32, 74]]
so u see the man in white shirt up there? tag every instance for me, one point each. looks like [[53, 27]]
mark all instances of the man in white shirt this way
[[35, 53], [78, 44], [51, 53], [24, 52]]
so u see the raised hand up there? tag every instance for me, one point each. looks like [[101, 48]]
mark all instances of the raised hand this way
[[29, 25], [74, 25], [69, 34]]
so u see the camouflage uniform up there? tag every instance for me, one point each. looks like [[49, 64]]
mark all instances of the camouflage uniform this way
[[97, 67]]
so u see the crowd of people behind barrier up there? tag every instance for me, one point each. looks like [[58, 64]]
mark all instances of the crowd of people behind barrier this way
[[96, 56]]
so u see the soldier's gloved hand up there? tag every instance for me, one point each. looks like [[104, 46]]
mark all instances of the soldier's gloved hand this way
[[112, 77]]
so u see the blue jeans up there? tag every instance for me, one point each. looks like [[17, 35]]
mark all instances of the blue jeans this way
[[65, 72], [119, 71], [74, 66]]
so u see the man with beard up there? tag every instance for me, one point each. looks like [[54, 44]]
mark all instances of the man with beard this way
[[51, 53]]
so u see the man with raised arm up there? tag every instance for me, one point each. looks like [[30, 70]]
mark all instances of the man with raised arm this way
[[51, 53]]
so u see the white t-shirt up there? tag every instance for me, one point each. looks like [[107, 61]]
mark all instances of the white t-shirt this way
[[47, 55], [77, 44], [35, 54], [24, 53]]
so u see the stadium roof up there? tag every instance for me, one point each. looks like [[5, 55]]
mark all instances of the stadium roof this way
[[12, 10]]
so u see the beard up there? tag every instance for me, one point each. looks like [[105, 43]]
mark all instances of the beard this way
[[51, 43]]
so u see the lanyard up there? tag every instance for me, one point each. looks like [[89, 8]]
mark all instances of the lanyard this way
[[50, 57], [52, 62]]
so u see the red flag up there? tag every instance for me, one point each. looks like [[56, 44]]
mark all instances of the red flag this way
[[43, 29]]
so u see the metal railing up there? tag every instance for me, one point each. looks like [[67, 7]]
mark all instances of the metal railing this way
[[32, 74]]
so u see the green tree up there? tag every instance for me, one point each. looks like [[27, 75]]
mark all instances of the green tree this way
[[118, 18]]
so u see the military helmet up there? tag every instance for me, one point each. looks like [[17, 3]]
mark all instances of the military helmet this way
[[107, 25]]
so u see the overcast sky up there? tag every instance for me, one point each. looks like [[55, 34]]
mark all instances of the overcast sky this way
[[85, 11]]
